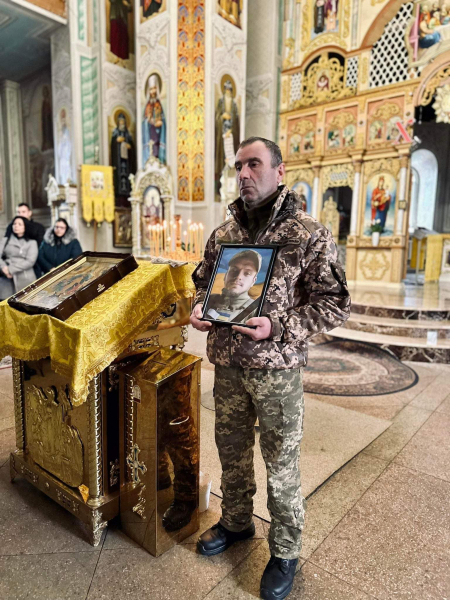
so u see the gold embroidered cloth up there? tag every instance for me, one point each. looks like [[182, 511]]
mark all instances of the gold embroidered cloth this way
[[81, 347]]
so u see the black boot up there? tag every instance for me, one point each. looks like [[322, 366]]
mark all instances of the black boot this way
[[278, 578], [178, 515], [218, 538]]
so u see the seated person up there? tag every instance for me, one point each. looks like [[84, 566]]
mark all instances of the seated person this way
[[18, 254], [234, 304], [60, 244]]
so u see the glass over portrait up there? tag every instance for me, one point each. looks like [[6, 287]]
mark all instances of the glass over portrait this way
[[239, 283], [69, 282]]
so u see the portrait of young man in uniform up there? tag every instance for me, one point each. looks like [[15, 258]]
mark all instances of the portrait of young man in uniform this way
[[240, 286], [258, 369]]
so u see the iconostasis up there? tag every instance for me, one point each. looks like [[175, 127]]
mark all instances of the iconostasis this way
[[354, 76]]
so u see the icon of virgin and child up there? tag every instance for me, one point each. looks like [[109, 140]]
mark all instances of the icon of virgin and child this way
[[380, 202]]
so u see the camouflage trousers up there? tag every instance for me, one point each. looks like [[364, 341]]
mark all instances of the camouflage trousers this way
[[275, 397]]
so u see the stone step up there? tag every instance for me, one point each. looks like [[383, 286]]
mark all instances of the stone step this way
[[404, 347], [410, 313], [398, 327]]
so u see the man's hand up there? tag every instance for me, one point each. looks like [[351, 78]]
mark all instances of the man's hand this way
[[195, 319], [262, 331]]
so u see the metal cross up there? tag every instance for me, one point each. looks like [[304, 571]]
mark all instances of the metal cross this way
[[135, 465]]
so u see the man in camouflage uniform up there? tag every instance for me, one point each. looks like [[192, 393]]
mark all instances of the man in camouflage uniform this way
[[259, 370]]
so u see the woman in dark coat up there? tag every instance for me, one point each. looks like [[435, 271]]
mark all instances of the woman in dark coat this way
[[59, 244]]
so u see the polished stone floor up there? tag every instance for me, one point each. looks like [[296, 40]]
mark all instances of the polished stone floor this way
[[379, 528]]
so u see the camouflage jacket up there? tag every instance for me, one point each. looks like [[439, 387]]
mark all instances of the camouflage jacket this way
[[307, 293]]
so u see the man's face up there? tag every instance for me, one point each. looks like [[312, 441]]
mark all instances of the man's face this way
[[240, 277], [256, 177], [121, 124], [23, 211], [153, 92]]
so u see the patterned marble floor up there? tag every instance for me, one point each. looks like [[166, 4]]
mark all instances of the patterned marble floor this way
[[379, 528]]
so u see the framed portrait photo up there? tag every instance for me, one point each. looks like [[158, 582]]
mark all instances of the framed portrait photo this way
[[239, 284]]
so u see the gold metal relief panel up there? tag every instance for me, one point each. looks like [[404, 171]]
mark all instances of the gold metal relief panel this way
[[436, 81], [51, 441], [374, 265], [324, 81]]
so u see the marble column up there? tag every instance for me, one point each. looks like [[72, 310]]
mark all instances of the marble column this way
[[315, 193], [14, 188], [402, 194], [357, 164]]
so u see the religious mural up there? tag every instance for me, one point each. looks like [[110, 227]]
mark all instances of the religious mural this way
[[154, 128], [227, 127], [150, 8], [123, 155], [64, 148], [152, 213], [430, 31], [40, 143], [341, 129], [325, 17], [120, 32], [302, 138], [380, 203], [231, 10], [304, 191]]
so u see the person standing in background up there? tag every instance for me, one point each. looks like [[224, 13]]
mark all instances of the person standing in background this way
[[60, 244], [18, 254]]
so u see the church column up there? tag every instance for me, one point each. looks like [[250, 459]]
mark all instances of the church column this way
[[402, 194], [14, 184], [357, 164], [315, 192]]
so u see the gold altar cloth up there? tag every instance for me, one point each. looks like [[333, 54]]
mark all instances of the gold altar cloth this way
[[81, 347]]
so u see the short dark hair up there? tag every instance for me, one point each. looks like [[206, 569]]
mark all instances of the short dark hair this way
[[275, 151], [24, 204]]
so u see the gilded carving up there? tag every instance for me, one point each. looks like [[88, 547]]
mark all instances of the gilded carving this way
[[323, 81], [342, 119], [299, 175], [52, 442], [97, 525], [442, 104], [389, 165], [303, 127], [346, 19], [95, 441], [337, 176], [17, 372], [135, 465], [289, 58], [139, 508], [364, 72], [114, 471], [306, 27], [386, 111], [436, 81], [374, 265]]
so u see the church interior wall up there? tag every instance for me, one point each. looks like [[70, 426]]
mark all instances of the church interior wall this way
[[39, 144]]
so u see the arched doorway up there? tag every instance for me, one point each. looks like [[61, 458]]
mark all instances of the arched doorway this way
[[424, 166]]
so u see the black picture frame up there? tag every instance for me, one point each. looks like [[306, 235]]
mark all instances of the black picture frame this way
[[217, 308]]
